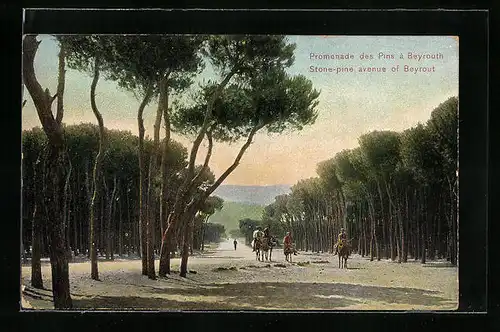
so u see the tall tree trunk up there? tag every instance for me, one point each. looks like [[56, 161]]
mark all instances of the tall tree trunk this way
[[110, 222], [80, 236], [104, 211], [190, 178], [454, 223], [75, 220], [66, 203], [424, 229], [191, 238], [164, 211], [54, 131], [88, 202], [151, 219], [365, 237], [383, 219], [403, 229], [58, 253], [396, 238], [94, 273], [102, 230], [142, 183], [154, 164], [373, 238], [391, 234], [185, 247], [36, 229], [120, 228], [132, 227], [203, 226]]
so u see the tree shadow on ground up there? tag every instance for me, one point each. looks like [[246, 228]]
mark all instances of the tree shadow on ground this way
[[277, 295], [224, 257], [439, 265]]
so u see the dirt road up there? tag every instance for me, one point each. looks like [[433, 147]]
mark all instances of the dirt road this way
[[222, 278]]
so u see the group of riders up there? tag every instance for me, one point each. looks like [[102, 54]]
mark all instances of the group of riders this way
[[260, 236]]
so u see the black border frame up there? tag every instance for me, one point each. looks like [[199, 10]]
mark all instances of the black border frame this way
[[470, 25]]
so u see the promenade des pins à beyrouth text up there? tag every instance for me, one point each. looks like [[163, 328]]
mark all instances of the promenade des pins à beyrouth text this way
[[414, 63]]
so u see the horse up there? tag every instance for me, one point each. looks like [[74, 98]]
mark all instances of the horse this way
[[260, 248], [289, 251], [344, 250], [256, 245], [264, 248]]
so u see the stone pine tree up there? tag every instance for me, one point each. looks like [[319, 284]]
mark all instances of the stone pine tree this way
[[150, 66], [54, 168], [94, 55], [254, 92]]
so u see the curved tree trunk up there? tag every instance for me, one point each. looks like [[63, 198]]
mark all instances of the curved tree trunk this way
[[36, 230], [110, 222], [203, 226], [55, 169], [423, 222], [88, 200], [185, 247], [151, 219], [142, 183], [164, 268], [156, 162], [96, 174], [66, 203], [75, 214], [181, 199], [373, 236], [55, 228], [120, 228]]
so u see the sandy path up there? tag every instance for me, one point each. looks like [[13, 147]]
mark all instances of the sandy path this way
[[224, 278]]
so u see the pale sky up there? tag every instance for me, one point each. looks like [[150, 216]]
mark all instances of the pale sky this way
[[350, 103]]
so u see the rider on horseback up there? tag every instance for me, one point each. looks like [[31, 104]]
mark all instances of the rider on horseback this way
[[267, 236], [257, 235], [340, 240], [287, 241]]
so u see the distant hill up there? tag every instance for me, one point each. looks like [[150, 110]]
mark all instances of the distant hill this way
[[232, 212], [256, 195]]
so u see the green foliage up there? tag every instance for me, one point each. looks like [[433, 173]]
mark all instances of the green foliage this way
[[393, 182], [443, 129], [211, 205], [120, 161], [381, 152], [247, 226], [214, 232], [136, 62], [232, 212], [261, 94], [418, 154], [235, 233], [273, 100], [247, 54]]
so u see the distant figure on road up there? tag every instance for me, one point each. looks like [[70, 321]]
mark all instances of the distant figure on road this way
[[235, 243]]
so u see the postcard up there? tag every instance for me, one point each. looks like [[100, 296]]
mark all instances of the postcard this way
[[240, 172]]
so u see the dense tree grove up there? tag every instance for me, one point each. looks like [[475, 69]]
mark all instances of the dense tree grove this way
[[117, 227], [91, 187], [395, 194]]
